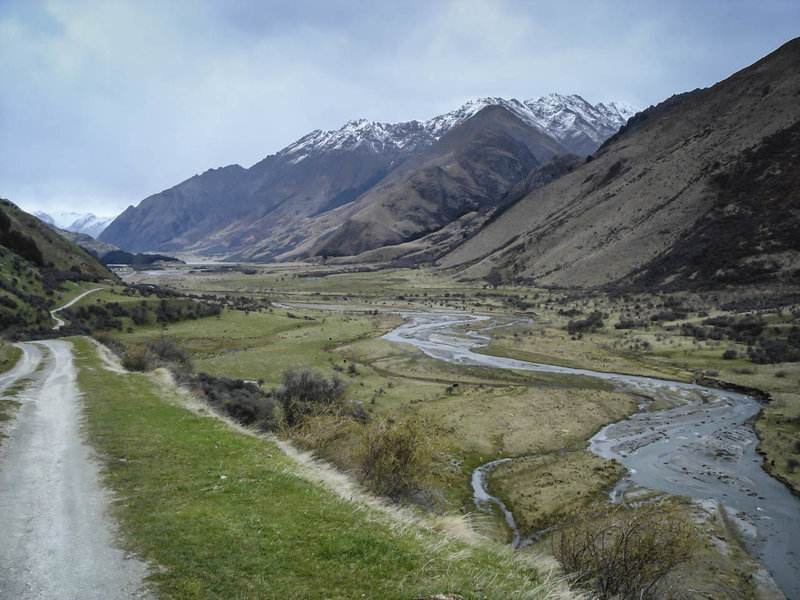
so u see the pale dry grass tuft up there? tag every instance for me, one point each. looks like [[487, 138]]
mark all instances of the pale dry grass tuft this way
[[465, 528], [110, 360]]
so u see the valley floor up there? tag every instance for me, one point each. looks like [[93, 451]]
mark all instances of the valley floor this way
[[331, 319]]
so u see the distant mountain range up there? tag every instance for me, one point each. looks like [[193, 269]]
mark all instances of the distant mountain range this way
[[77, 222], [367, 185]]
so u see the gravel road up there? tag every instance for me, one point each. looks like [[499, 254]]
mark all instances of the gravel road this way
[[57, 541], [59, 321]]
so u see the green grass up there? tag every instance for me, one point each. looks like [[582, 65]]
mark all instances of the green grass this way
[[9, 355], [261, 345], [222, 519]]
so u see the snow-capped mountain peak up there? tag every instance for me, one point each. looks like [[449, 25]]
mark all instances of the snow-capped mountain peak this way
[[571, 120], [77, 222]]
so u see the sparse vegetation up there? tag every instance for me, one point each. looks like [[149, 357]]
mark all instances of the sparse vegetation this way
[[306, 394], [396, 458], [626, 553], [9, 355]]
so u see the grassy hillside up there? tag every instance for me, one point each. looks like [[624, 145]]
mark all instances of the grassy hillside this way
[[35, 266]]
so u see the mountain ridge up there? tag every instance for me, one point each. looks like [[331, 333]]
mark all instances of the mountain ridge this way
[[87, 223], [223, 212]]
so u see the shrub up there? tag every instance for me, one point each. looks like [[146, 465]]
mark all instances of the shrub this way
[[243, 400], [158, 352], [136, 358], [333, 437], [168, 353], [729, 354], [592, 322], [396, 458], [626, 553], [109, 341], [305, 392]]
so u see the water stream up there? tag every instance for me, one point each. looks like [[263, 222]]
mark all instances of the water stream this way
[[703, 447]]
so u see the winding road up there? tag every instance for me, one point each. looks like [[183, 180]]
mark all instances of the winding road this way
[[56, 539], [59, 321]]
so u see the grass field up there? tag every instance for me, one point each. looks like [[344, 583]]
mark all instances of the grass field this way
[[493, 413], [221, 514], [400, 380], [9, 355]]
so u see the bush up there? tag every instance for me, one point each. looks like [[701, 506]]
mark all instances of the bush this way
[[305, 393], [168, 353], [136, 358], [592, 322], [626, 553], [396, 458], [243, 400], [333, 437], [158, 352]]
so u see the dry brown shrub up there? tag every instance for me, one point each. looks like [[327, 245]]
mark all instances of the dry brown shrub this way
[[626, 553]]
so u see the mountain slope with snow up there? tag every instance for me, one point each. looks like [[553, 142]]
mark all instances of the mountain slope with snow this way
[[304, 190], [76, 222]]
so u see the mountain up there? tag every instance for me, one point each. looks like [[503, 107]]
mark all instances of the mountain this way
[[285, 205], [470, 169], [94, 247], [78, 222], [35, 260], [703, 189]]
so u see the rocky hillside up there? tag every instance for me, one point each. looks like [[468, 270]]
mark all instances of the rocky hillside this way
[[287, 203], [703, 189], [469, 169]]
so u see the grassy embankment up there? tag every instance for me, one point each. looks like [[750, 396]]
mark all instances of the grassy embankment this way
[[221, 514], [9, 355]]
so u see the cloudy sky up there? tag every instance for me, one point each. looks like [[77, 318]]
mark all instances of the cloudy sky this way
[[106, 102]]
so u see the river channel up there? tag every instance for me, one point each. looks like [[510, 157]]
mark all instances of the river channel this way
[[703, 447]]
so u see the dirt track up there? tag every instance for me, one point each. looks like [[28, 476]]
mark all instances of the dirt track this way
[[57, 541]]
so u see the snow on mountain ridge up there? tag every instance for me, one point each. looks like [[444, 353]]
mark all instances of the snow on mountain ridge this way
[[76, 222], [561, 117]]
